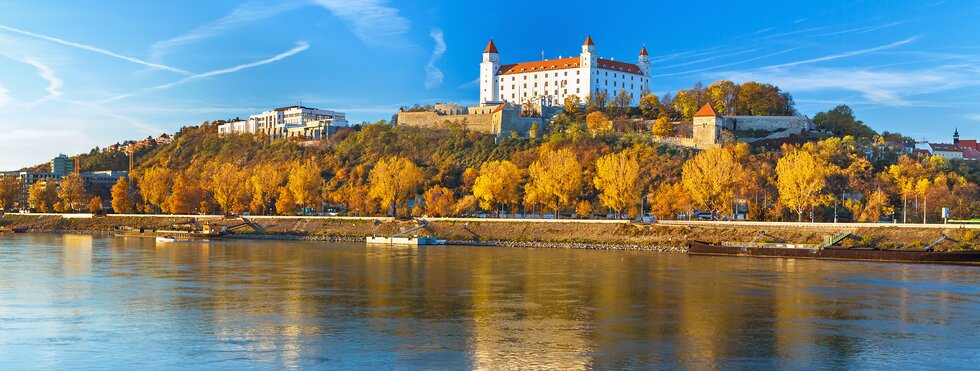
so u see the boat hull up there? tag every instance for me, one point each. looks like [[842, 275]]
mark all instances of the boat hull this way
[[839, 253], [403, 241]]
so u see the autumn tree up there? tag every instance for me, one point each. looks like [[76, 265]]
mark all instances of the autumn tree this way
[[42, 195], [621, 103], [154, 185], [265, 181], [228, 185], [800, 178], [711, 177], [305, 183], [95, 205], [122, 199], [650, 106], [662, 127], [497, 185], [583, 209], [670, 199], [439, 201], [185, 196], [572, 104], [598, 123], [906, 174], [723, 96], [555, 180], [394, 179], [617, 177], [71, 192], [9, 191], [285, 203]]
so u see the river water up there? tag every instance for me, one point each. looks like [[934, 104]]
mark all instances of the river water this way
[[77, 301]]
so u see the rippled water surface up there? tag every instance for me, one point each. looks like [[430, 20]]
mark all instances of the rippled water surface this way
[[73, 301]]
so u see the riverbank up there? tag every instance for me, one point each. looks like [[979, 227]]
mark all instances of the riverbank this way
[[544, 233]]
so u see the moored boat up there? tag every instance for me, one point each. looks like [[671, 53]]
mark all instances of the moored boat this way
[[404, 241], [838, 253]]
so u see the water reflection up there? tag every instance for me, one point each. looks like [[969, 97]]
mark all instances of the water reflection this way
[[114, 302]]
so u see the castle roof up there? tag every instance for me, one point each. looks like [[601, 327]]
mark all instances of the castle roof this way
[[644, 51], [491, 48], [588, 41], [707, 111], [565, 63]]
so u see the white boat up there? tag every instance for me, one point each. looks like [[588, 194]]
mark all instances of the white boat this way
[[166, 239], [404, 241]]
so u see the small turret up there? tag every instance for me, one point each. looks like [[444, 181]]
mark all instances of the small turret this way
[[588, 46], [643, 62], [956, 136]]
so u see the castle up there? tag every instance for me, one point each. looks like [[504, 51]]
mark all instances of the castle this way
[[709, 128], [551, 81]]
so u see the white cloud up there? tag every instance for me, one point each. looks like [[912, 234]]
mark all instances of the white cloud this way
[[891, 88], [433, 75], [372, 21], [4, 96], [300, 46], [973, 116], [94, 49], [46, 73], [843, 55], [244, 15]]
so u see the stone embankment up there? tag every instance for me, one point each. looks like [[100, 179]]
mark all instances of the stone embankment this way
[[584, 234]]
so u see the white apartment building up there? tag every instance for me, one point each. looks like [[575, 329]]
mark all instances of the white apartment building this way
[[551, 81], [277, 122]]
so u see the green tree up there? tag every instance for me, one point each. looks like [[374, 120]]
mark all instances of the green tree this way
[[841, 121]]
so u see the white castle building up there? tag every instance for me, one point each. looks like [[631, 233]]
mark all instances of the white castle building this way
[[550, 81], [283, 122]]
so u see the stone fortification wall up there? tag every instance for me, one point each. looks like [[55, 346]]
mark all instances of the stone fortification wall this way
[[788, 124], [482, 123]]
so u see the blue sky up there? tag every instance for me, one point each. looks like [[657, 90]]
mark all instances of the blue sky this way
[[75, 75]]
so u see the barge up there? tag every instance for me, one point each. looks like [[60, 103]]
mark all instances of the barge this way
[[927, 255]]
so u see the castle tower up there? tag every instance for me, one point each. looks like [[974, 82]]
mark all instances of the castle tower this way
[[587, 62], [489, 86], [644, 62], [707, 127], [956, 136]]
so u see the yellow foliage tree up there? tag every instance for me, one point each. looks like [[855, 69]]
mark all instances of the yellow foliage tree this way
[[800, 179], [618, 178], [598, 123], [285, 203], [394, 179], [305, 184], [555, 180], [42, 195], [9, 191], [71, 192], [572, 104], [663, 127], [265, 181], [228, 184], [122, 200], [583, 209], [186, 196], [497, 185], [439, 201], [711, 177], [154, 184], [95, 205], [669, 200]]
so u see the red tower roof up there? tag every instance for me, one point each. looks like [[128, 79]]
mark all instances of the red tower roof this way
[[588, 41], [706, 111], [491, 48], [644, 51]]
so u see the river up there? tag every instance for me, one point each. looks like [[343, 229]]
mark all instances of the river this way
[[78, 301]]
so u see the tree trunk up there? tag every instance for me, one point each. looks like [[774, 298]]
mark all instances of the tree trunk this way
[[905, 209], [799, 216]]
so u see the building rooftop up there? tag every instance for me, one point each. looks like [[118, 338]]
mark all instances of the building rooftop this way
[[706, 111], [565, 63], [491, 48]]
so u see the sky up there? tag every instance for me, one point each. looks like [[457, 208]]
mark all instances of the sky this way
[[76, 75]]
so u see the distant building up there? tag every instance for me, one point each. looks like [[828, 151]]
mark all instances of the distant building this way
[[960, 149], [554, 80], [62, 165], [288, 121]]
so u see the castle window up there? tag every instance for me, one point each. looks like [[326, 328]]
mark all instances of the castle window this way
[[576, 90]]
